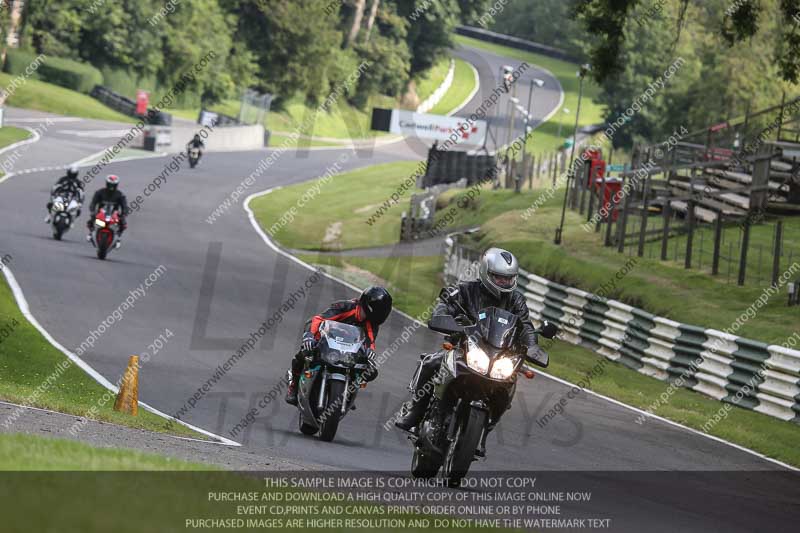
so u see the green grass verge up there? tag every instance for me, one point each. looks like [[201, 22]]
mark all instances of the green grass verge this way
[[545, 139], [10, 135], [349, 198], [463, 85], [27, 360], [413, 282], [34, 94], [31, 453], [430, 80]]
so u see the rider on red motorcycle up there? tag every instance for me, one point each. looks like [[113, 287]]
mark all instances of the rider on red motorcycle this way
[[109, 195]]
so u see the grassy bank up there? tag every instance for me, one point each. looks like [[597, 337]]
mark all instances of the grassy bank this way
[[664, 288], [10, 135], [545, 139], [27, 360], [463, 85], [30, 453], [430, 80], [349, 199], [34, 94]]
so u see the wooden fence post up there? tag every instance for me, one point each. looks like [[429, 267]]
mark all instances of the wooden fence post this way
[[717, 244], [689, 234], [776, 252], [667, 211], [743, 254]]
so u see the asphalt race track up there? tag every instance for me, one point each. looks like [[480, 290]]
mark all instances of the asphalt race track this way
[[220, 281]]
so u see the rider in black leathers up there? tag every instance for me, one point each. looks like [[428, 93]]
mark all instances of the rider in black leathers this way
[[198, 143], [495, 288], [69, 184], [109, 195]]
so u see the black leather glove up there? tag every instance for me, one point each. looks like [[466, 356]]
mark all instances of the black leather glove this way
[[538, 356], [309, 343], [463, 320], [372, 372]]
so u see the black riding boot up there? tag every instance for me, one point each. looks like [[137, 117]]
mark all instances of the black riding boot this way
[[294, 380], [414, 410], [291, 389]]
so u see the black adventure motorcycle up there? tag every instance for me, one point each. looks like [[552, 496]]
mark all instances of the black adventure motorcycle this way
[[331, 379], [482, 363]]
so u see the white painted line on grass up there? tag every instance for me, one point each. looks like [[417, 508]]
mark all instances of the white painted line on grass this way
[[33, 139]]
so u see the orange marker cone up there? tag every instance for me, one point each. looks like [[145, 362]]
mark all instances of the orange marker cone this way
[[128, 395]]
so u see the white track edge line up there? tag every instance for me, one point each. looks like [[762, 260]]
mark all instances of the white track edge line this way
[[50, 411], [22, 302], [282, 252]]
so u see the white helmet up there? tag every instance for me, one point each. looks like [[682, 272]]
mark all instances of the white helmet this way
[[498, 271]]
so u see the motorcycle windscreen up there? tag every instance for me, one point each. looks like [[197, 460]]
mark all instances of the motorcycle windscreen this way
[[342, 341], [498, 327]]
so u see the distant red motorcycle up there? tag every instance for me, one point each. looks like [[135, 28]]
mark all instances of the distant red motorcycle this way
[[105, 234]]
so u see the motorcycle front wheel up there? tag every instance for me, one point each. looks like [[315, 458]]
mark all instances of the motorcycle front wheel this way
[[103, 244], [461, 451], [305, 429], [424, 465], [333, 410]]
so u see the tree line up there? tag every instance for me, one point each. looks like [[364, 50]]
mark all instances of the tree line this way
[[737, 55], [305, 47]]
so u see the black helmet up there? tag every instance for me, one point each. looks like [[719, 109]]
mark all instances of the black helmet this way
[[376, 303], [72, 172]]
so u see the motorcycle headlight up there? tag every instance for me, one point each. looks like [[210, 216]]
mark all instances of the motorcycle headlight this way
[[58, 206], [99, 223], [477, 359], [503, 368]]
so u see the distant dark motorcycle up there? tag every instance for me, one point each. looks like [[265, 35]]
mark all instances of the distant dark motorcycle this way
[[194, 156], [482, 363], [331, 379]]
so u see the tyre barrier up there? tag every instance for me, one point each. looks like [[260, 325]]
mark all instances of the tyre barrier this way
[[735, 370]]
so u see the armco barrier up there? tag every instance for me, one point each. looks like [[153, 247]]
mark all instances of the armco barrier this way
[[126, 106], [744, 372], [515, 42]]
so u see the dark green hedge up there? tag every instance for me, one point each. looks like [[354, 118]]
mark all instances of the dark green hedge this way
[[67, 73]]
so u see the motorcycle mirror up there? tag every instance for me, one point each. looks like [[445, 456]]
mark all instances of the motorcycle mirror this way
[[445, 324], [549, 330], [448, 294]]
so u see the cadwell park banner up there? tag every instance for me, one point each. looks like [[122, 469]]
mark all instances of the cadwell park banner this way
[[427, 126]]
